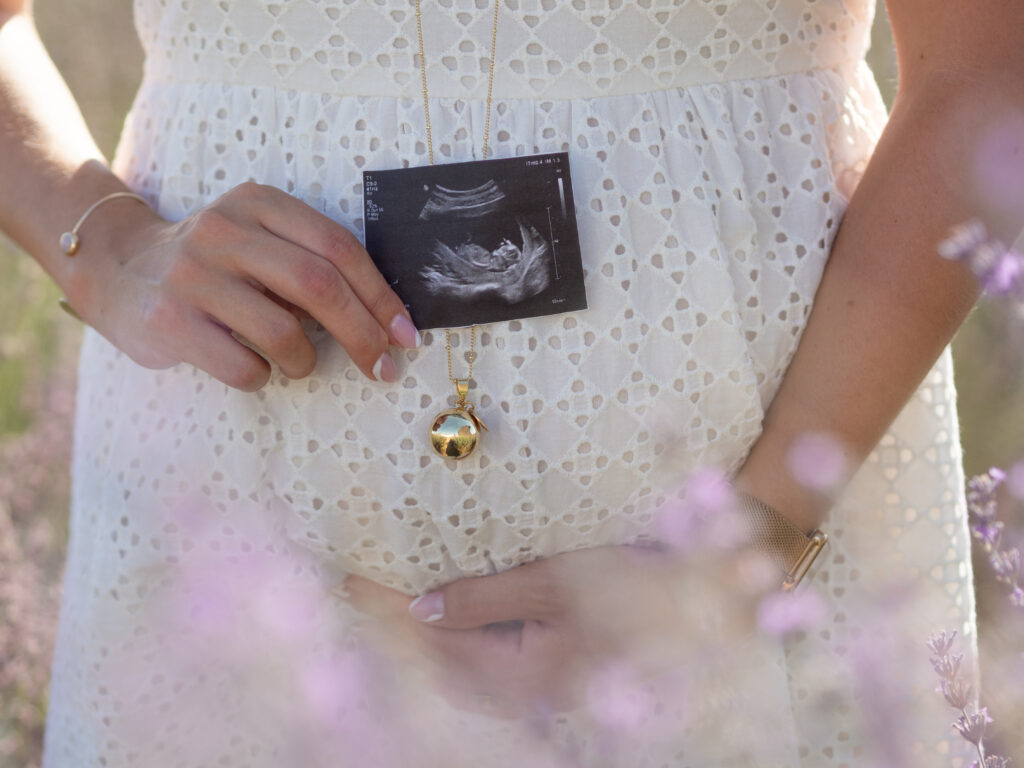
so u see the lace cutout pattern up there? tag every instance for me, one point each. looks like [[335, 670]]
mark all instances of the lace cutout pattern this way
[[706, 214], [548, 49]]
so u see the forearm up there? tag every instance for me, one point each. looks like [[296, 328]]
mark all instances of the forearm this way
[[887, 304], [50, 165]]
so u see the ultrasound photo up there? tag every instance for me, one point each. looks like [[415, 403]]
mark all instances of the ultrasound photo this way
[[479, 242]]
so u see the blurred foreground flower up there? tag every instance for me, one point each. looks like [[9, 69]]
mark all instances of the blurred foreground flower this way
[[999, 268], [780, 613], [817, 461], [707, 518]]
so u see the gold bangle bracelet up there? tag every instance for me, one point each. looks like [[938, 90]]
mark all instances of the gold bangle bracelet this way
[[70, 241]]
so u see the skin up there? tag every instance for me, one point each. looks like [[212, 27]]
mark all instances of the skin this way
[[253, 262], [886, 308]]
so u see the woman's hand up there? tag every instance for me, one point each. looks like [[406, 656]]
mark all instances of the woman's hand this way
[[247, 266], [251, 263], [537, 635]]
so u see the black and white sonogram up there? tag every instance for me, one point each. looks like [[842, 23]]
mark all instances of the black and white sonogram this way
[[479, 242]]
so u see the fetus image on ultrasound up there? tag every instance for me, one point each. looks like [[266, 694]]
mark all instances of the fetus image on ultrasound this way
[[517, 268], [510, 272]]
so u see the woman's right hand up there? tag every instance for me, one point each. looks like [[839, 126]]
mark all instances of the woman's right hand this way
[[251, 263]]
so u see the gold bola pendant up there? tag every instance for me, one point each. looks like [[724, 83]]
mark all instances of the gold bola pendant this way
[[455, 432]]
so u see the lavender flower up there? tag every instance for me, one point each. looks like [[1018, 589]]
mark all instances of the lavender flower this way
[[947, 667], [970, 725], [992, 761], [962, 240], [941, 643], [999, 269], [816, 460], [957, 693], [1006, 562], [780, 613]]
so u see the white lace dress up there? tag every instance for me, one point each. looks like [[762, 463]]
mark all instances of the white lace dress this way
[[714, 145]]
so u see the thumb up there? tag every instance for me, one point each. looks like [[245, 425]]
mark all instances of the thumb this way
[[524, 593]]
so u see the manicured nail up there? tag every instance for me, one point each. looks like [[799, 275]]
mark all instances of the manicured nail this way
[[428, 607], [405, 332], [341, 590], [384, 368]]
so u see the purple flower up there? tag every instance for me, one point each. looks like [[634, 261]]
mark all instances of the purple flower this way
[[972, 727], [780, 613], [947, 667], [706, 517], [987, 531], [981, 493], [816, 460], [999, 269], [941, 643], [618, 699], [981, 504], [969, 725], [962, 240], [956, 693], [1006, 563], [993, 761]]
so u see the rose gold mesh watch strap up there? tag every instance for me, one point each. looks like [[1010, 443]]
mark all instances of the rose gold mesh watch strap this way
[[774, 536]]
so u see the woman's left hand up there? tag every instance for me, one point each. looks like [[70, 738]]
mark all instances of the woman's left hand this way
[[533, 636]]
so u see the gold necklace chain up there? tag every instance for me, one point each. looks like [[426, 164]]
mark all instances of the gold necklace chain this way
[[430, 156]]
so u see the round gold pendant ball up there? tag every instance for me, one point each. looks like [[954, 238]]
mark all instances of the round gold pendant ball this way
[[454, 434]]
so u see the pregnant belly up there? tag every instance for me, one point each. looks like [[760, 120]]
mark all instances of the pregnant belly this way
[[580, 453]]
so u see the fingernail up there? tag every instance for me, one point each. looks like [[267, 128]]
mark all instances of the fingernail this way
[[428, 607], [405, 332], [342, 590], [384, 368]]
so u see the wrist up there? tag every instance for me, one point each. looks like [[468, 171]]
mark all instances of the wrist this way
[[110, 237], [772, 535], [797, 474]]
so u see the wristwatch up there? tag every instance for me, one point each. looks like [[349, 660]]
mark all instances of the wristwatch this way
[[774, 536]]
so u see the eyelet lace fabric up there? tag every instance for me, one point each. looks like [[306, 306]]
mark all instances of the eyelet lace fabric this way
[[714, 146]]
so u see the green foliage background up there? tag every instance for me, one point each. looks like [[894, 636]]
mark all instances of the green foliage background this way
[[94, 45]]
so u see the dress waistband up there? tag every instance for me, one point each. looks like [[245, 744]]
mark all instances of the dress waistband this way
[[546, 49]]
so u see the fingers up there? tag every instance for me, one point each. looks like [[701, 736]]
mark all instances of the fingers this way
[[375, 599], [294, 221], [256, 259], [263, 322], [306, 280], [499, 644], [211, 348], [525, 592], [503, 670]]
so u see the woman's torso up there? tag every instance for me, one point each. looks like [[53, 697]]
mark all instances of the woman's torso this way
[[712, 148], [545, 48]]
